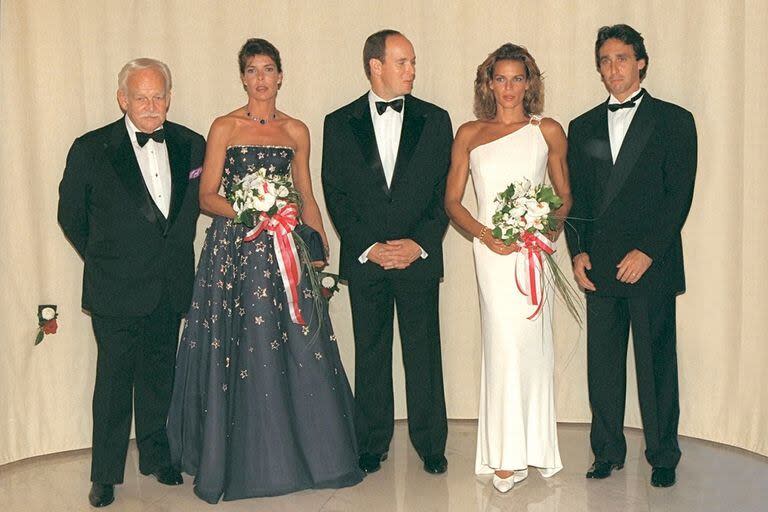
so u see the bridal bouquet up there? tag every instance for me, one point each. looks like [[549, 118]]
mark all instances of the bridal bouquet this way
[[524, 216], [270, 202]]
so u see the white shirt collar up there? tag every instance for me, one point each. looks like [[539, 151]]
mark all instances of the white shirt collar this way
[[132, 129], [373, 98], [612, 100]]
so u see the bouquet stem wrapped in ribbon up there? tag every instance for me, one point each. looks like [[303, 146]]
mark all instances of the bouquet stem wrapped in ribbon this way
[[270, 203], [524, 216]]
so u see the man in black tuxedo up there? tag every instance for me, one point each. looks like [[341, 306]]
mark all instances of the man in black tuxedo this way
[[385, 161], [128, 203], [632, 161]]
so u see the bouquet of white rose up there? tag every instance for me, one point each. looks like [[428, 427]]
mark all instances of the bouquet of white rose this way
[[270, 202], [524, 216], [260, 194]]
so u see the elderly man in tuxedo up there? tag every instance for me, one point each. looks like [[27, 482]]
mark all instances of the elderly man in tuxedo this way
[[633, 162], [128, 204], [385, 161]]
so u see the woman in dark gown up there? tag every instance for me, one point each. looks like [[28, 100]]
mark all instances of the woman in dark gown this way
[[261, 405]]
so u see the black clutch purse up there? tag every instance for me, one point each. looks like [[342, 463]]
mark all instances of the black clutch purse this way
[[312, 240]]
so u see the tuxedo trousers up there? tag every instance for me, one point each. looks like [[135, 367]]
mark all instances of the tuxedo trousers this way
[[652, 320], [134, 371], [374, 302]]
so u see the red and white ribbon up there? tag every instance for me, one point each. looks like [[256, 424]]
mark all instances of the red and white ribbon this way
[[533, 244], [281, 226]]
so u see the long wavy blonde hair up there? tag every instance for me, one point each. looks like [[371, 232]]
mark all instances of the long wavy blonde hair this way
[[485, 103]]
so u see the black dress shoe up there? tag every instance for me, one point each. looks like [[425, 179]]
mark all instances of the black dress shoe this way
[[371, 462], [663, 477], [166, 475], [602, 470], [435, 464], [101, 495]]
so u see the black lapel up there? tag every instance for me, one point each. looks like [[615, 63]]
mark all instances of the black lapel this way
[[362, 126], [127, 169], [178, 156], [634, 142], [413, 123]]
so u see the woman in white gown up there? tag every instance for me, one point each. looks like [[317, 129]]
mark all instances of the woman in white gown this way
[[508, 142]]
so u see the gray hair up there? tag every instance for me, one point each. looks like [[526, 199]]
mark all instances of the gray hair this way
[[143, 63]]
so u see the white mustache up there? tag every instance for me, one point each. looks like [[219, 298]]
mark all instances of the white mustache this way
[[149, 115]]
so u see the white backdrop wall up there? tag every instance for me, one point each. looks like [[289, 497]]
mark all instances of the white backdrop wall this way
[[58, 80]]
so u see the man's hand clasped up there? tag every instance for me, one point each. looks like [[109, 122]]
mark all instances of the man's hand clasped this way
[[395, 254]]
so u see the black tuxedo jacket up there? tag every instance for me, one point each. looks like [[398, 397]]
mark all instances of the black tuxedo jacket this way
[[361, 206], [640, 202], [132, 254]]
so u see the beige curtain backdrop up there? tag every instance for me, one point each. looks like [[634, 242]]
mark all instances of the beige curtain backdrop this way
[[58, 80]]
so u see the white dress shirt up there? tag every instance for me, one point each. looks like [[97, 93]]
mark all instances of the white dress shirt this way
[[155, 168], [619, 121], [387, 127]]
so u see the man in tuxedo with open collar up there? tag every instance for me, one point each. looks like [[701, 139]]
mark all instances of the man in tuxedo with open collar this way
[[128, 204], [385, 161], [632, 161]]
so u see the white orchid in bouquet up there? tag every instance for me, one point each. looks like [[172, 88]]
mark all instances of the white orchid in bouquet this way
[[260, 192], [524, 208], [525, 216]]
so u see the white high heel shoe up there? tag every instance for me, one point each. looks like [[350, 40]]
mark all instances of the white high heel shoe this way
[[504, 484]]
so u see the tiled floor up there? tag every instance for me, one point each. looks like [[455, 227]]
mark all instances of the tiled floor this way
[[711, 477]]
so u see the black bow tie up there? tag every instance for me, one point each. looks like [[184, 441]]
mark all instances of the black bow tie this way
[[396, 105], [613, 107], [157, 136]]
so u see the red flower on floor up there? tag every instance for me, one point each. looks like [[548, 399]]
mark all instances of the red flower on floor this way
[[50, 326]]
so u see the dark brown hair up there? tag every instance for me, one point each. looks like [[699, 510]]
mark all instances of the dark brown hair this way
[[255, 46], [485, 102]]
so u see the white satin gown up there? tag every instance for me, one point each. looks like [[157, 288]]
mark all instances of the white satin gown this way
[[517, 426]]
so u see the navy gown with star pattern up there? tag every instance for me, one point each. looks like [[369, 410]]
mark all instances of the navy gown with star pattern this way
[[261, 406]]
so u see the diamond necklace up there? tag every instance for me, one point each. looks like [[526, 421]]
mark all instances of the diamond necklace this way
[[261, 120]]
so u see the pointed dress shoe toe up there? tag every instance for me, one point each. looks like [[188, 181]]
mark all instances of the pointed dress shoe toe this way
[[663, 477], [166, 475], [371, 462], [600, 470], [435, 464], [101, 495], [504, 485]]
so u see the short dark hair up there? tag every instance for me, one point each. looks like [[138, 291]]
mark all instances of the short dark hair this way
[[255, 46], [626, 35], [375, 47]]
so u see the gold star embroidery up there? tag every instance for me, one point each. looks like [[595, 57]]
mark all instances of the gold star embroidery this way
[[275, 345], [318, 356], [224, 387], [243, 374], [258, 320], [333, 337], [307, 293], [215, 343], [259, 246], [267, 274], [305, 330]]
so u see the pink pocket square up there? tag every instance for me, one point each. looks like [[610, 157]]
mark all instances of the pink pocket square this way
[[195, 173]]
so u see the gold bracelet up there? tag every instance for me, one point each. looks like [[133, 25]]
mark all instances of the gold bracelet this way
[[481, 236]]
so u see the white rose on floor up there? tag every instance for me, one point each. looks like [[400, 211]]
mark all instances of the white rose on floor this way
[[328, 282], [48, 313]]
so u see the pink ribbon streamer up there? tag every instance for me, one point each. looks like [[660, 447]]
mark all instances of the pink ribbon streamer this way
[[281, 225], [534, 244]]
